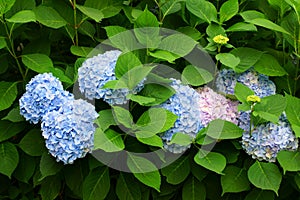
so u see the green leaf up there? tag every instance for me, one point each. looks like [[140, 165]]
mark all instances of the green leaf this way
[[228, 59], [170, 7], [164, 55], [125, 63], [178, 44], [220, 129], [9, 129], [25, 168], [202, 9], [260, 195], [146, 29], [61, 75], [6, 5], [142, 100], [269, 66], [211, 160], [8, 94], [289, 160], [121, 38], [127, 188], [50, 188], [23, 16], [34, 136], [228, 10], [106, 119], [248, 57], [181, 139], [242, 92], [193, 189], [268, 24], [234, 180], [109, 141], [190, 31], [96, 185], [280, 5], [2, 45], [292, 112], [9, 158], [241, 26], [270, 107], [14, 115], [156, 120], [75, 182], [40, 63], [152, 141], [92, 13], [122, 116], [49, 166], [265, 176], [159, 92], [49, 17], [80, 51], [195, 76], [213, 30], [249, 15], [133, 77], [144, 170], [177, 171], [87, 28]]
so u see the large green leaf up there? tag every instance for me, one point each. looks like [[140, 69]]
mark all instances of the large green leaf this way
[[9, 158], [220, 129], [289, 160], [241, 26], [125, 63], [292, 112], [8, 94], [265, 176], [80, 51], [170, 7], [268, 24], [6, 5], [156, 120], [242, 92], [106, 119], [177, 171], [193, 189], [92, 13], [178, 44], [202, 9], [181, 139], [50, 188], [158, 91], [260, 195], [144, 170], [228, 59], [234, 180], [109, 141], [195, 76], [152, 141], [122, 116], [127, 188], [269, 66], [34, 136], [96, 185], [211, 160], [25, 168], [49, 166], [9, 129], [40, 63], [49, 17], [228, 10], [270, 107], [23, 16], [14, 115], [248, 57]]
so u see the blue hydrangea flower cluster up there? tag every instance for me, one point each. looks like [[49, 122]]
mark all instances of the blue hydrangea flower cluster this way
[[67, 124], [182, 104], [266, 140], [95, 72], [44, 93], [259, 83], [69, 131]]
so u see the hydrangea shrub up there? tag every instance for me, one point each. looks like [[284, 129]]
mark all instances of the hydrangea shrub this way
[[232, 124]]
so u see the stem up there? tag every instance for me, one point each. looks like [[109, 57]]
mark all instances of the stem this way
[[11, 50], [75, 20]]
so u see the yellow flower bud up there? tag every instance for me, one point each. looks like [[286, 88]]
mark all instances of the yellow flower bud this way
[[253, 98], [220, 39]]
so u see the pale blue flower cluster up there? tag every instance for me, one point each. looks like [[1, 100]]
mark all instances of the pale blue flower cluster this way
[[95, 72], [259, 83], [67, 124], [182, 104], [69, 131], [267, 139], [44, 93]]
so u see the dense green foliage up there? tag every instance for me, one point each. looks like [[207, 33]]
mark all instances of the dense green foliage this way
[[38, 36]]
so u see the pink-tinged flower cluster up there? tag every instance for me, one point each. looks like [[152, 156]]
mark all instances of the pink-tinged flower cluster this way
[[216, 106]]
